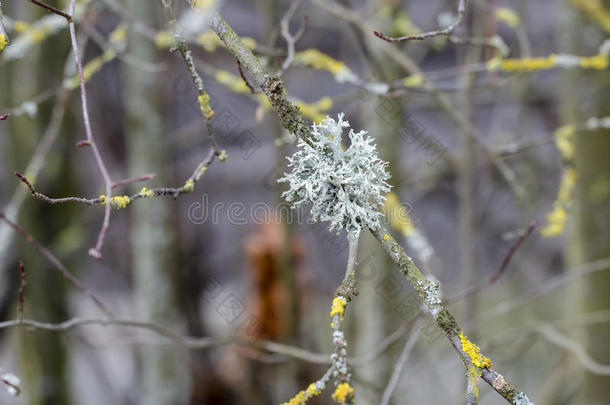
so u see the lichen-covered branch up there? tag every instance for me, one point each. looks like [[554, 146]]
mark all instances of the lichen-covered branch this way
[[429, 292], [289, 114], [293, 121]]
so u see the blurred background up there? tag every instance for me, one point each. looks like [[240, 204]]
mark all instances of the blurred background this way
[[483, 134]]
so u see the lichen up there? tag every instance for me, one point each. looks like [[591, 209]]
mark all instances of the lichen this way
[[416, 80], [204, 104], [345, 186], [508, 16], [116, 201], [147, 192], [338, 307], [303, 396], [557, 218], [522, 399], [474, 353], [223, 155], [3, 41], [343, 392], [189, 185]]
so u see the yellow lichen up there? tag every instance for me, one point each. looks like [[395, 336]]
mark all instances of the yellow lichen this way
[[21, 26], [120, 201], [564, 141], [342, 393], [528, 64], [116, 201], [189, 185], [557, 218], [233, 82], [119, 34], [236, 84], [318, 60], [204, 104], [202, 4], [386, 237], [223, 155], [338, 307], [474, 353], [316, 111], [164, 40], [303, 396], [3, 42], [209, 41], [147, 192], [200, 172], [599, 62], [508, 16], [415, 80], [399, 219]]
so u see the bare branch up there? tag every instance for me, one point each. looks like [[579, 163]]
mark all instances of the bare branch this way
[[42, 197], [498, 273], [52, 9], [402, 360], [559, 339], [24, 282], [243, 77], [290, 39], [56, 263], [144, 177], [419, 37], [97, 250]]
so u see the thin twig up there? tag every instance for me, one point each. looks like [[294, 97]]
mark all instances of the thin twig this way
[[53, 9], [24, 282], [383, 345], [97, 250], [290, 39], [144, 177], [243, 77], [498, 273], [48, 200], [400, 363], [192, 343], [557, 338], [542, 288], [10, 384], [56, 263], [445, 32]]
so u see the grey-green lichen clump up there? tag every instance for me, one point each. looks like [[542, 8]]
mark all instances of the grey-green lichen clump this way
[[345, 186]]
